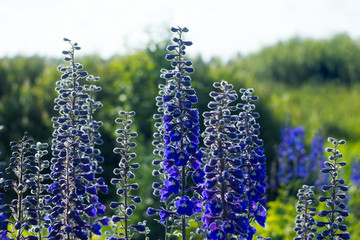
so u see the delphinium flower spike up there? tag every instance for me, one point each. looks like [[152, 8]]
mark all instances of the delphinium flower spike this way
[[125, 183], [72, 173], [292, 159], [181, 158], [336, 196], [355, 173], [225, 183], [38, 197], [305, 222], [94, 154], [252, 162], [23, 209]]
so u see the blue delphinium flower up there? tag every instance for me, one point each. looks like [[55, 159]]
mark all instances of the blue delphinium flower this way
[[74, 189], [335, 197], [126, 206], [179, 130], [252, 162], [225, 182], [293, 161], [305, 222], [355, 173], [25, 210]]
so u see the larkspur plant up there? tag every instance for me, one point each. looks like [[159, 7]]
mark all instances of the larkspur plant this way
[[179, 128], [224, 187], [221, 187], [355, 173], [74, 165], [305, 222], [252, 162], [126, 207], [336, 196], [292, 155], [27, 210]]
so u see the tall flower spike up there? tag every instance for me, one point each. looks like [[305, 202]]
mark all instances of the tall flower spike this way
[[94, 139], [37, 199], [335, 197], [179, 127], [71, 166], [125, 184], [23, 209], [355, 173], [293, 162], [225, 184], [305, 222], [252, 161]]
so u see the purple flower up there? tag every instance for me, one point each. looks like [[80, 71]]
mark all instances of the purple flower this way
[[188, 207], [181, 159], [198, 176], [95, 228], [214, 207], [164, 215]]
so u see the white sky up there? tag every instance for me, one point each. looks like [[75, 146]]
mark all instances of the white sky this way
[[217, 28]]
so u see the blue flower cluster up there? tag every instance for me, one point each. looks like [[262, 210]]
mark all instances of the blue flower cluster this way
[[335, 198], [252, 160], [293, 161], [28, 209], [125, 207], [179, 130], [355, 173], [225, 185], [75, 159], [305, 222]]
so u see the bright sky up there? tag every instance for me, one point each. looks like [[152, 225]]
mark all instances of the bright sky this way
[[217, 27]]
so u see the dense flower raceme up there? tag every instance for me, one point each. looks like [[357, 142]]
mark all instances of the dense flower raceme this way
[[28, 208], [179, 130], [355, 173], [224, 187], [335, 196], [73, 166], [125, 207], [252, 162], [293, 161], [305, 222]]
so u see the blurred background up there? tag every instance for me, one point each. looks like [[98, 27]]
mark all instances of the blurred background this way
[[301, 57]]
